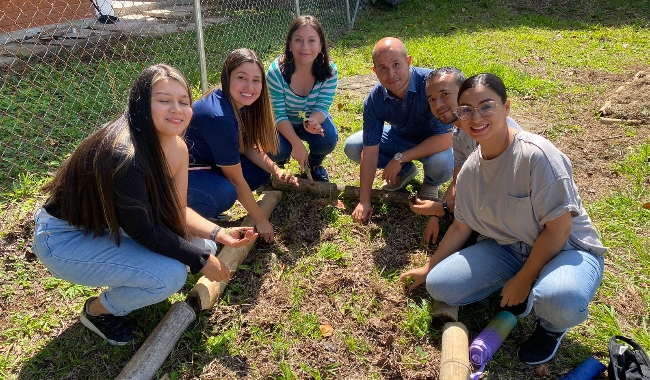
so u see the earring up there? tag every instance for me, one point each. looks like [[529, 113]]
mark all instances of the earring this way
[[322, 58]]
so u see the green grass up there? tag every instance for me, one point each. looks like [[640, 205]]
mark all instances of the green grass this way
[[343, 273]]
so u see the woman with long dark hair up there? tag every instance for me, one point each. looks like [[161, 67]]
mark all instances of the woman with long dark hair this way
[[117, 214], [302, 84], [229, 137]]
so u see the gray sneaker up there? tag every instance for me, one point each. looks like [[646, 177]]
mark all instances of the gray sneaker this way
[[429, 192], [402, 180]]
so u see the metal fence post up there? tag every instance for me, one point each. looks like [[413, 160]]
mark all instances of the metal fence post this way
[[347, 14], [297, 8], [199, 45]]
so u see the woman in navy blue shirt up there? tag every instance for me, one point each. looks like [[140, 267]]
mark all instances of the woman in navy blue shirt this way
[[229, 135]]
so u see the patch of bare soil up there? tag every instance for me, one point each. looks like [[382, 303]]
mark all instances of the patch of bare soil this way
[[630, 102]]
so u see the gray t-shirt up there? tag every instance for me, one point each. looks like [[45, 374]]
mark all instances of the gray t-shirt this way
[[465, 145], [510, 198]]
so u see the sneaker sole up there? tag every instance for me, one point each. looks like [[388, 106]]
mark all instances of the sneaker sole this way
[[94, 329], [550, 356], [404, 181]]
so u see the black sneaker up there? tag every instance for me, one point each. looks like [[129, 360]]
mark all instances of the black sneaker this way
[[107, 19], [318, 173], [117, 331], [540, 346]]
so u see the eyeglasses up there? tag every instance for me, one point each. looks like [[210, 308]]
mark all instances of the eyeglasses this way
[[486, 109]]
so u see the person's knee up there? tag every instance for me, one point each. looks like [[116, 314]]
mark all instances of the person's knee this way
[[352, 150], [562, 310], [440, 288], [176, 278], [439, 166], [211, 205]]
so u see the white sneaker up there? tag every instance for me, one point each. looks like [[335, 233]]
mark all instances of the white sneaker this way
[[402, 180]]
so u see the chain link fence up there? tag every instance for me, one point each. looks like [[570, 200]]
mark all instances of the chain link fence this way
[[63, 72]]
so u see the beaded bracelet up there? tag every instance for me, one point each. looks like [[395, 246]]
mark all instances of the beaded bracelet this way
[[213, 234]]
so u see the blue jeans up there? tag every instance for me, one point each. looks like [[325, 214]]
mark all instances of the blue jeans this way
[[319, 146], [438, 167], [135, 277], [210, 193], [560, 295]]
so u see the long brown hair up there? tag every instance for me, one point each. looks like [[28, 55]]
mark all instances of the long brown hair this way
[[320, 68], [84, 186], [256, 121]]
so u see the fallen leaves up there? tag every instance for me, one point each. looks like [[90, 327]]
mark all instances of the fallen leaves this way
[[326, 330]]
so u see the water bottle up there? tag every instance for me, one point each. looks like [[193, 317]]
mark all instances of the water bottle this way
[[587, 370], [489, 340]]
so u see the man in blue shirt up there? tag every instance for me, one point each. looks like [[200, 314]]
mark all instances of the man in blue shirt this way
[[412, 133]]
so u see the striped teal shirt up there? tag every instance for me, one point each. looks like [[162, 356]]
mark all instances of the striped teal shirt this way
[[286, 104]]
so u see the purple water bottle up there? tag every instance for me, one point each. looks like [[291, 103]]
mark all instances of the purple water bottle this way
[[587, 370], [489, 340]]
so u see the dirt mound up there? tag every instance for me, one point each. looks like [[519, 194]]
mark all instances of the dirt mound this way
[[630, 102]]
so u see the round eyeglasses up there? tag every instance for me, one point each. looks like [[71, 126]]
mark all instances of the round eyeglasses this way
[[486, 109]]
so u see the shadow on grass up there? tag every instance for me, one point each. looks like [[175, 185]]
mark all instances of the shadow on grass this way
[[419, 19], [78, 353]]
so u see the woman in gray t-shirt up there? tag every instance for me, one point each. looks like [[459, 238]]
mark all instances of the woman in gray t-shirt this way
[[537, 243]]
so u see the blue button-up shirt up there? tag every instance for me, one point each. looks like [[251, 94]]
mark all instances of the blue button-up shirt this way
[[410, 117]]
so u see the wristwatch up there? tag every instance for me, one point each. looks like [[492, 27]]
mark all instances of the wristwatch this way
[[398, 158], [446, 208]]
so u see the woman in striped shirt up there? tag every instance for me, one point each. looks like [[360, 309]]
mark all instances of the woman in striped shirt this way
[[302, 84]]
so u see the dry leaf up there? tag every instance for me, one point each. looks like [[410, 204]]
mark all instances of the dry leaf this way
[[542, 371], [339, 204], [340, 105], [326, 330], [646, 205]]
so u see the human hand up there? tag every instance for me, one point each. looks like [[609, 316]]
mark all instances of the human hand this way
[[414, 277], [515, 291], [215, 270], [286, 176], [425, 207], [362, 212], [391, 171], [300, 154], [313, 127], [431, 231], [265, 230], [238, 237]]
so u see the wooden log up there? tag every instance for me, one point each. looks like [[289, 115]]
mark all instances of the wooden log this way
[[609, 120], [454, 356], [445, 312], [159, 344], [328, 189], [153, 352], [207, 292]]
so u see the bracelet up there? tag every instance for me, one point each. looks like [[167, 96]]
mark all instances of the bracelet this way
[[213, 234], [435, 216]]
